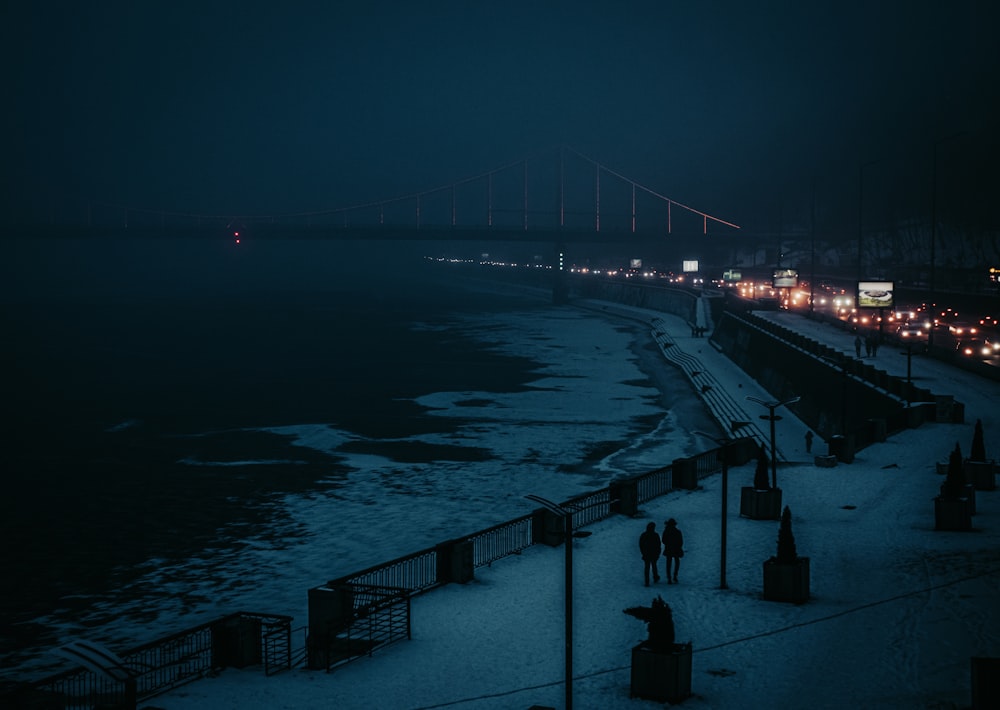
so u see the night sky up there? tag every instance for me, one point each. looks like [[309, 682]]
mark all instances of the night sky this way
[[268, 107]]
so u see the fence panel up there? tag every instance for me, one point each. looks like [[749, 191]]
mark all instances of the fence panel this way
[[415, 572], [380, 616], [167, 663], [655, 483], [501, 540]]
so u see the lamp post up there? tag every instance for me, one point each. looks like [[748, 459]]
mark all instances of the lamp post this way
[[772, 417], [568, 534], [909, 371], [812, 249], [723, 443]]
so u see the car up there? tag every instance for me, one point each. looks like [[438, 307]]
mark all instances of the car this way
[[963, 329], [913, 330], [978, 347]]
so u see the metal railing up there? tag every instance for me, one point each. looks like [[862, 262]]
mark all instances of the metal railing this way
[[590, 507], [655, 483], [380, 613], [239, 639], [501, 540], [415, 572], [380, 616]]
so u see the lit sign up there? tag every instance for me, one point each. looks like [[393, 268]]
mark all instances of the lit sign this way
[[786, 278], [875, 294], [732, 275], [689, 266]]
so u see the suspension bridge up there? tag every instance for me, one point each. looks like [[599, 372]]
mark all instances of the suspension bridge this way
[[560, 196]]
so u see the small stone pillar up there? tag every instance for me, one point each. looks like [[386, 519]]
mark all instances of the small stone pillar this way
[[684, 474], [624, 495], [455, 561]]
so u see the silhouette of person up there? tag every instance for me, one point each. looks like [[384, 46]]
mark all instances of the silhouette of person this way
[[649, 548], [868, 345], [857, 345], [809, 442], [673, 548]]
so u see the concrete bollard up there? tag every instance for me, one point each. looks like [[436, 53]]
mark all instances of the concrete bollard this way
[[684, 474], [624, 494]]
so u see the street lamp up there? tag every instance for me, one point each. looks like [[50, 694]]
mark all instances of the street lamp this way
[[772, 417], [812, 248], [723, 443], [568, 534], [909, 371]]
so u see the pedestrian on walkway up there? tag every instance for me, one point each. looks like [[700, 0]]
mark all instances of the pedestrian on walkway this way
[[868, 345], [673, 548], [857, 345], [649, 548], [809, 441], [876, 341]]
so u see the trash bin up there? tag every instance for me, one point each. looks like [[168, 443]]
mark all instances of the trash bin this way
[[842, 447], [236, 642], [877, 428]]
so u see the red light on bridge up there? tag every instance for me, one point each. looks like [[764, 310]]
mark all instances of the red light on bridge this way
[[236, 235]]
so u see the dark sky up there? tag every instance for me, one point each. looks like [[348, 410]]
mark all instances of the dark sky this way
[[270, 107]]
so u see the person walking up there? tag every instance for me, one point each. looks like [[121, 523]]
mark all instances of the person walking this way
[[673, 548], [857, 345], [809, 441], [649, 547]]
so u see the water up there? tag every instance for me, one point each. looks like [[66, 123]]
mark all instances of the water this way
[[198, 428]]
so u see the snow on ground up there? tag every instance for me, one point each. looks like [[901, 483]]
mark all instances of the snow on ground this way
[[897, 609]]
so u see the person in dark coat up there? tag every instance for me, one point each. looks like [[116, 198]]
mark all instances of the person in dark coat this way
[[673, 548], [649, 547]]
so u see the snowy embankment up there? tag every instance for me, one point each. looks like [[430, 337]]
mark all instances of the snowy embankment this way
[[897, 609]]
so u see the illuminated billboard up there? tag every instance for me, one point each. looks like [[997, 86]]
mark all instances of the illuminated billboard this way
[[732, 276], [786, 278], [635, 263], [875, 294], [689, 266]]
